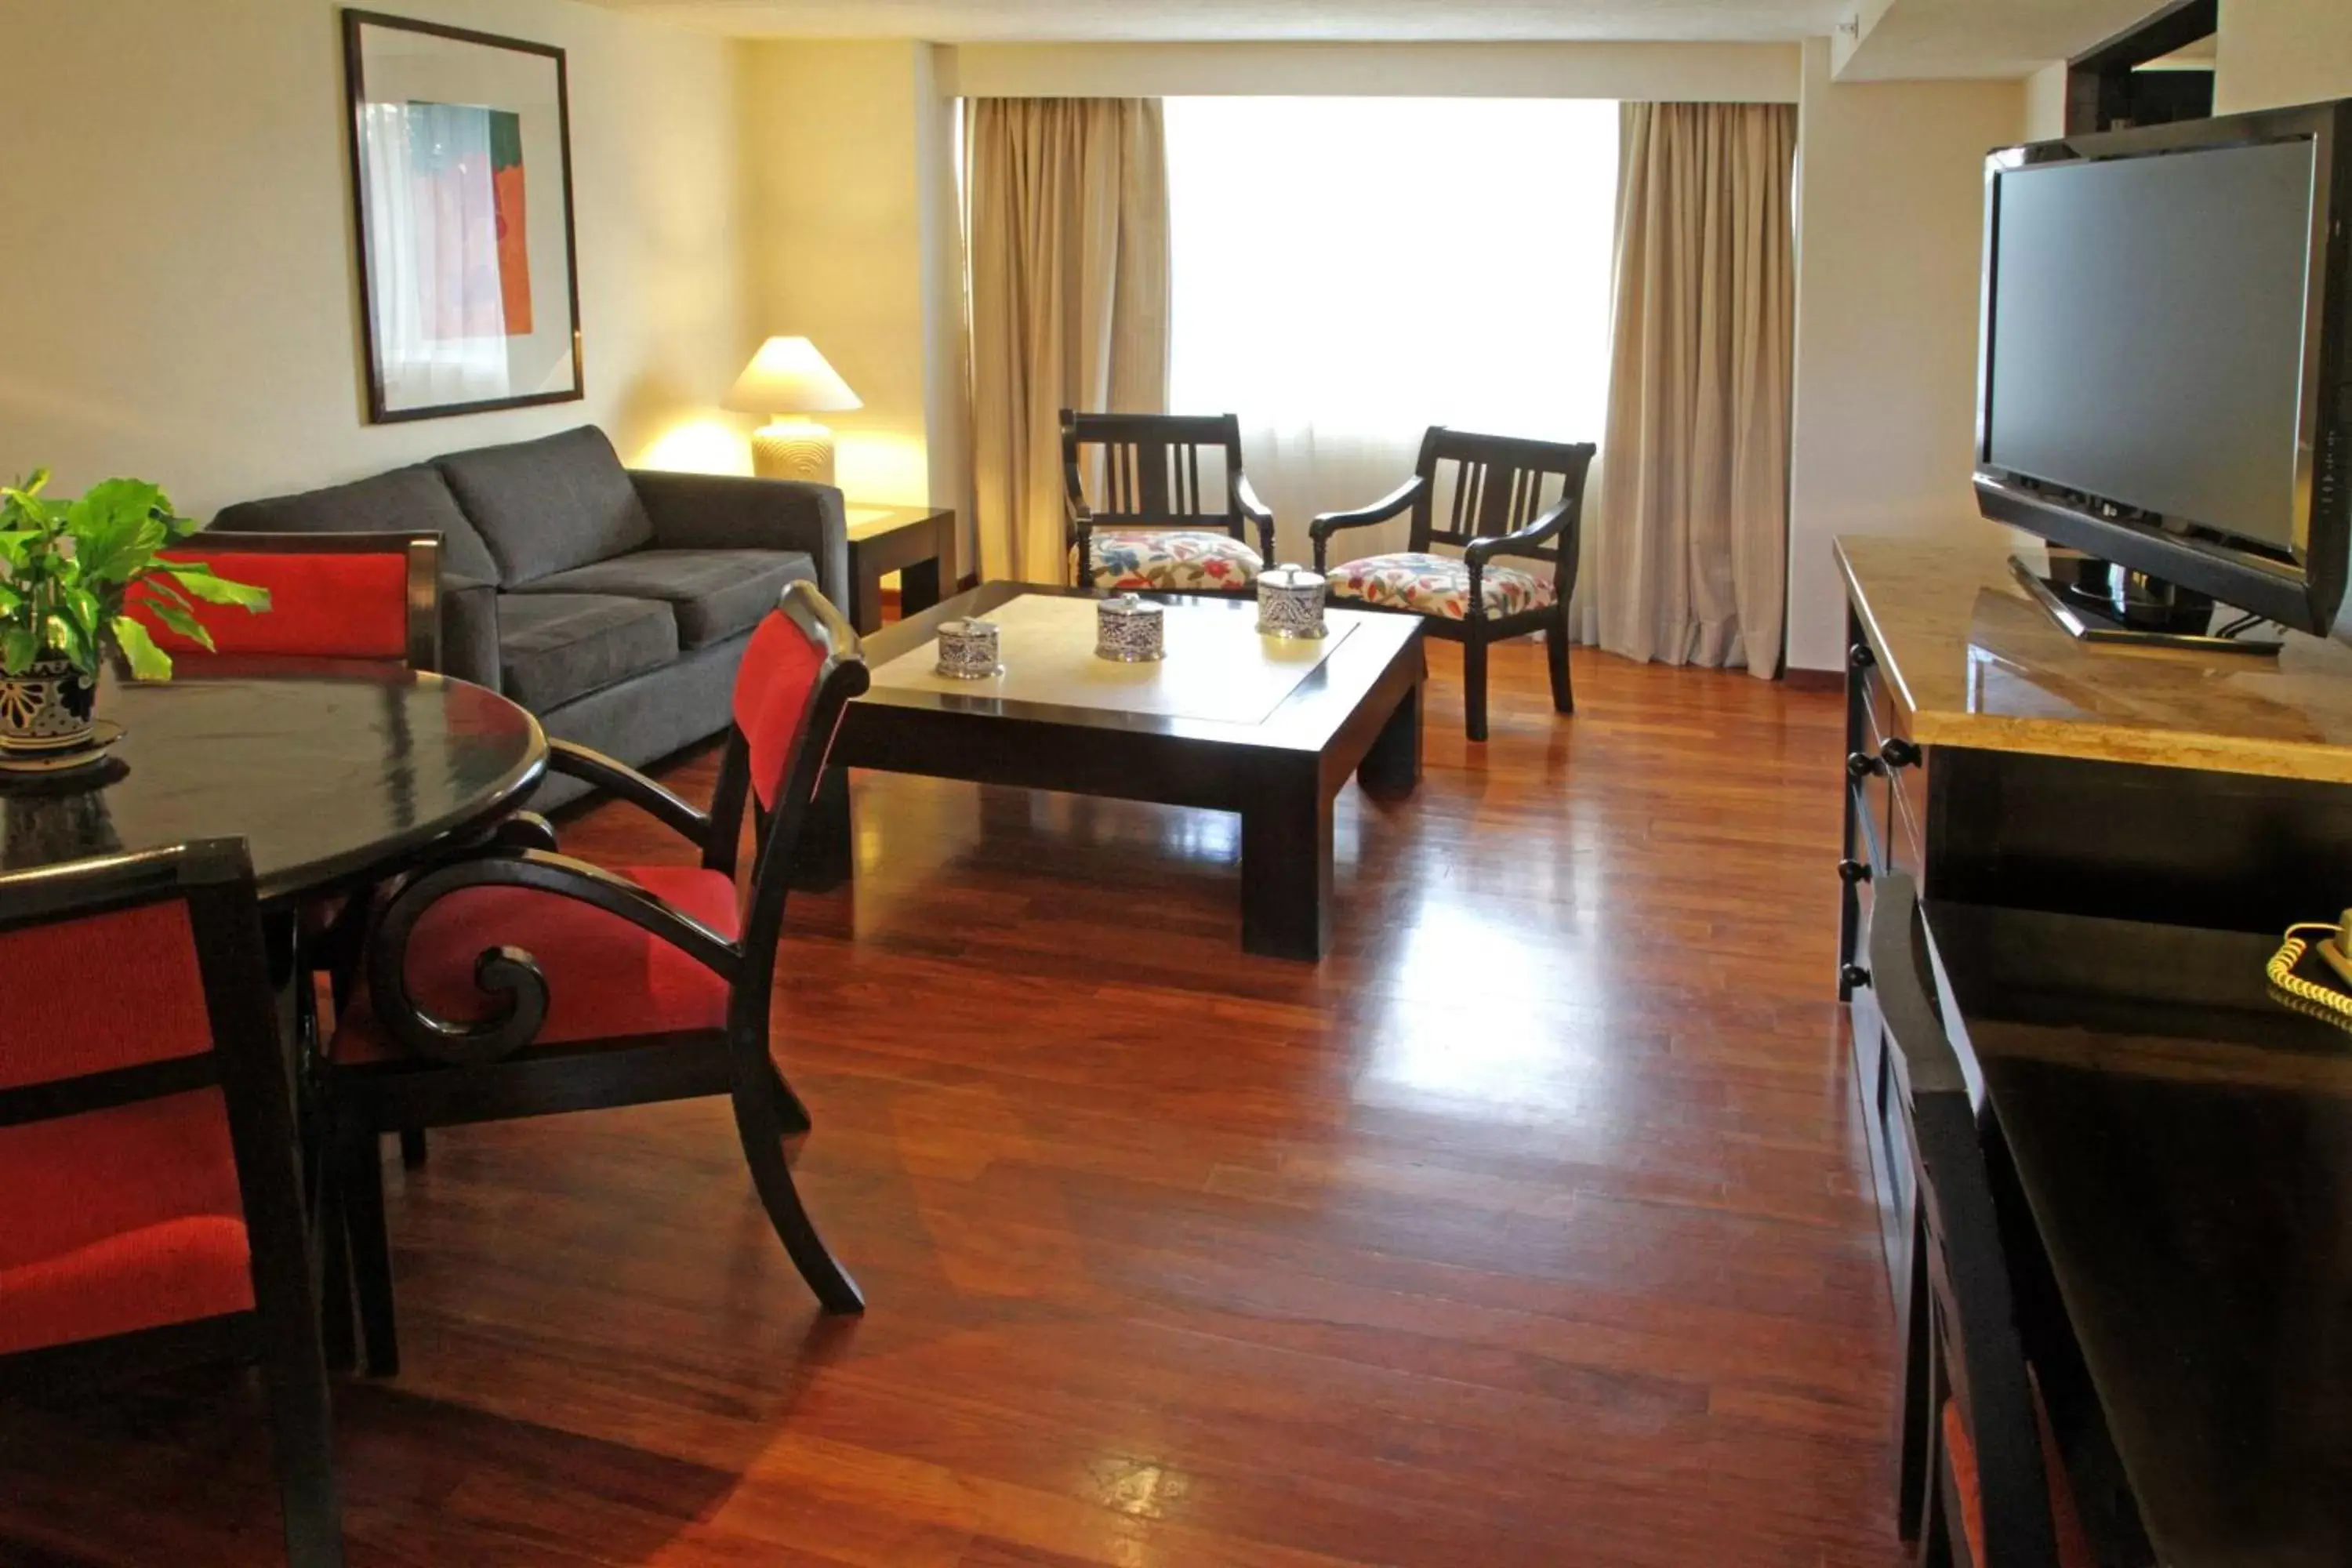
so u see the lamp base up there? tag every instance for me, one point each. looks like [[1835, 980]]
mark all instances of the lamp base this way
[[792, 449]]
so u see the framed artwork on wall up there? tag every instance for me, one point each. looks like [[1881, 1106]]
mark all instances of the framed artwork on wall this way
[[461, 181]]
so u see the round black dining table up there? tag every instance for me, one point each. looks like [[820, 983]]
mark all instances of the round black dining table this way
[[331, 781]]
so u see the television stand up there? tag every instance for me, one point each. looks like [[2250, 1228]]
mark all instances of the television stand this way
[[2146, 612]]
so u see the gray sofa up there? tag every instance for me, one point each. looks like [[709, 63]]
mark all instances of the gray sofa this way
[[613, 603]]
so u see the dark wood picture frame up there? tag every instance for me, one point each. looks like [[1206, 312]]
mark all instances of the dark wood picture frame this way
[[355, 99]]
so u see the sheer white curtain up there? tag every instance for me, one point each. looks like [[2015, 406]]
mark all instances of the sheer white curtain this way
[[1348, 272], [440, 323]]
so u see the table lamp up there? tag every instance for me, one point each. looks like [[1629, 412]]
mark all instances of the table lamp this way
[[788, 377]]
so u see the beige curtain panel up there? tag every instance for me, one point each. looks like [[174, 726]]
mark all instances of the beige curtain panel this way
[[1067, 226], [1690, 557]]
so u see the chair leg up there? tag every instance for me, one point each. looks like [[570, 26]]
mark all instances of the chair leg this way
[[1563, 697], [301, 1441], [1474, 685], [361, 1180], [411, 1147], [791, 1115], [335, 1278], [763, 1136]]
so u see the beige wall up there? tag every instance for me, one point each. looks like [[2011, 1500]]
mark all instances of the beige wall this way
[[2275, 52], [1889, 231], [191, 316], [2045, 103], [1743, 73], [844, 152]]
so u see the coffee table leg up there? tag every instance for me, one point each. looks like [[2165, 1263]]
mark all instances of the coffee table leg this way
[[919, 587], [1393, 764], [825, 854], [1287, 866]]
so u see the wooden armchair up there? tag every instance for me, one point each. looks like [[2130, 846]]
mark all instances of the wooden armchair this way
[[1523, 500], [519, 982], [1979, 1467], [1155, 529]]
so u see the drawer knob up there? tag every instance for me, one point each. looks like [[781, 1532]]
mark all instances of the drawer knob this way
[[1853, 976], [1853, 871], [1859, 656], [1862, 764], [1899, 752]]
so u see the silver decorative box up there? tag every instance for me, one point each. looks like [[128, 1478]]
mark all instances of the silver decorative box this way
[[1130, 631], [968, 650], [1290, 602]]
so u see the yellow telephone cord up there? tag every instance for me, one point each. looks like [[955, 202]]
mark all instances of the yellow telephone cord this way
[[2281, 971]]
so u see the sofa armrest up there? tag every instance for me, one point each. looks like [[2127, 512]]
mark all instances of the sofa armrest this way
[[469, 629], [730, 511]]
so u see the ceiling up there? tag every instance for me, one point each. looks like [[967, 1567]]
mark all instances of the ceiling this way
[[1161, 21], [1910, 39]]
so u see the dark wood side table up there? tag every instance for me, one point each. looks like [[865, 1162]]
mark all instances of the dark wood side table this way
[[917, 542]]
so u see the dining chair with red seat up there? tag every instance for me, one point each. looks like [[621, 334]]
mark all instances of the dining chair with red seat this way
[[366, 599], [151, 1205], [1982, 1469], [519, 982]]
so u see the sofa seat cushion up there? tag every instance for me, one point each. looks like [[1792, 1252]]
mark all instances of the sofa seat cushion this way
[[413, 500], [1171, 560], [546, 505], [1440, 585], [715, 593], [553, 648]]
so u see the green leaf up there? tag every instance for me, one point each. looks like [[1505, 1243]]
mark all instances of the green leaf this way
[[205, 584], [181, 621], [18, 648], [148, 662]]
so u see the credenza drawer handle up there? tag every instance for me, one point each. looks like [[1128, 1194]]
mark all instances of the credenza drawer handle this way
[[1855, 976], [1852, 872], [1862, 764], [1859, 656], [1899, 752]]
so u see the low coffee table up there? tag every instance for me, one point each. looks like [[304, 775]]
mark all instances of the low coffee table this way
[[1229, 721]]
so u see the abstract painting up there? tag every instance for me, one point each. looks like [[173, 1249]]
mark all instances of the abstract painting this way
[[461, 180]]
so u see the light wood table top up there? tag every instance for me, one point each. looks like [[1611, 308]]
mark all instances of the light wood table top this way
[[1978, 664]]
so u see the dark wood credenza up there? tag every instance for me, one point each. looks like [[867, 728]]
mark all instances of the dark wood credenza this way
[[2002, 762]]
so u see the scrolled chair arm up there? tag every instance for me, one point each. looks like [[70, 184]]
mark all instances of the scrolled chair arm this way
[[1246, 502], [504, 971], [1526, 541], [618, 778]]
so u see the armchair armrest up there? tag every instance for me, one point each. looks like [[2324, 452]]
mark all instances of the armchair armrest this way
[[1387, 506], [1526, 541], [610, 774], [507, 971], [469, 629], [730, 511], [1247, 502]]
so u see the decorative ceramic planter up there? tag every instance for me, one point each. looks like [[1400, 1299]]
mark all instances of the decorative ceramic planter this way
[[1130, 631], [1290, 602], [48, 710]]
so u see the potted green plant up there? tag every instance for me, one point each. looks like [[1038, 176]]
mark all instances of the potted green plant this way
[[66, 568]]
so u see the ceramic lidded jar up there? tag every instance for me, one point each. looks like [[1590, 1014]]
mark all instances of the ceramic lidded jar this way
[[1130, 631], [967, 650], [1290, 602]]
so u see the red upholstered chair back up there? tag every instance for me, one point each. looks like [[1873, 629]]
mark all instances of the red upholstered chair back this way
[[146, 1139], [360, 597], [800, 671]]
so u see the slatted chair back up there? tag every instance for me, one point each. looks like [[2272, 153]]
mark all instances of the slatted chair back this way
[[151, 1200], [1150, 470], [1976, 1367], [371, 598], [1482, 487]]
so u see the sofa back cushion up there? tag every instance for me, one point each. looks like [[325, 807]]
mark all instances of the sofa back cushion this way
[[400, 500], [544, 506]]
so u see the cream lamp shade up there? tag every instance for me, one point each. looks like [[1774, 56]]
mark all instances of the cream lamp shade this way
[[785, 378]]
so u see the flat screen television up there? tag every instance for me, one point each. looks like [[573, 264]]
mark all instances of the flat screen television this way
[[2165, 367]]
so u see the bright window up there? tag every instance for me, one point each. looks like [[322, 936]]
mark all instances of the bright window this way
[[1350, 271]]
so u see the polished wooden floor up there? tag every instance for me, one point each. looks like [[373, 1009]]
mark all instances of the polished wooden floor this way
[[1526, 1229]]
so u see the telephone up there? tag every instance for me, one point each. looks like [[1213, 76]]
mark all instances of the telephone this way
[[2335, 951]]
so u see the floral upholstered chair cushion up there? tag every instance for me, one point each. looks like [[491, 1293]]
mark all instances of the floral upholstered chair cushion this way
[[1171, 560], [1440, 585]]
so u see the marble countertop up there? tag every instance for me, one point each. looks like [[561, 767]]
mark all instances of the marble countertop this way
[[1977, 663]]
